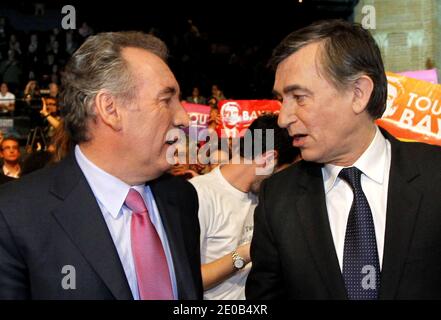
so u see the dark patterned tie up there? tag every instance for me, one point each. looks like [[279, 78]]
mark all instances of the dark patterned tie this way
[[361, 268]]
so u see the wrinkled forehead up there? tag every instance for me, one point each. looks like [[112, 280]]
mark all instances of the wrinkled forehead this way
[[9, 143], [148, 66]]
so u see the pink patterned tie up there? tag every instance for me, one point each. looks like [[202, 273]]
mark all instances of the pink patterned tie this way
[[150, 262]]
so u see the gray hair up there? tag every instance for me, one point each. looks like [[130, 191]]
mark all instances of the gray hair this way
[[98, 64], [347, 51]]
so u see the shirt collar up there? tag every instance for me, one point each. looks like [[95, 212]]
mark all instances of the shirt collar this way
[[221, 179], [371, 163], [110, 191], [11, 174]]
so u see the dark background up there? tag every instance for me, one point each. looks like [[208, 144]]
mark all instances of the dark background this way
[[231, 48]]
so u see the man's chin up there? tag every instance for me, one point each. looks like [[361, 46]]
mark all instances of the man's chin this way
[[311, 157], [163, 168]]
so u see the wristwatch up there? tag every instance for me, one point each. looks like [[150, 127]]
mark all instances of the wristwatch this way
[[238, 261]]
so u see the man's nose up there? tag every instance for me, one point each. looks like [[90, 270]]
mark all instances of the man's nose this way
[[287, 116], [181, 118], [282, 120]]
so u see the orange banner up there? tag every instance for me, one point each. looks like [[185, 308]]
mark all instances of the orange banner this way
[[413, 110]]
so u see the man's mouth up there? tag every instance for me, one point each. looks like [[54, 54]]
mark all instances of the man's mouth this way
[[299, 139]]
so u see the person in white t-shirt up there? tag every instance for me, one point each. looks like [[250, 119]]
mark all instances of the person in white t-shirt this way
[[7, 99], [227, 199]]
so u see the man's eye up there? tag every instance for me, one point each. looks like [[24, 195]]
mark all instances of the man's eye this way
[[300, 98]]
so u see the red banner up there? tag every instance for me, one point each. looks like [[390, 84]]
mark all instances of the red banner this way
[[199, 115], [237, 115]]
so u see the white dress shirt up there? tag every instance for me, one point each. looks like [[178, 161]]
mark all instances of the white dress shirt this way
[[12, 174], [374, 164], [7, 99], [110, 193]]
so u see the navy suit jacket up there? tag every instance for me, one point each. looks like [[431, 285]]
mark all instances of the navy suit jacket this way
[[293, 251]]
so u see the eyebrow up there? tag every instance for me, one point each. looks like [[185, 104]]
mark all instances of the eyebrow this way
[[291, 88], [168, 91]]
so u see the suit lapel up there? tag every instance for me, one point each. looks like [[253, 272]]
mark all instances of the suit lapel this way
[[80, 217], [311, 207], [171, 220], [402, 209]]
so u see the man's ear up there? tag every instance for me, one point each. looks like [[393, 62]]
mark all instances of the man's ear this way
[[363, 88], [106, 109]]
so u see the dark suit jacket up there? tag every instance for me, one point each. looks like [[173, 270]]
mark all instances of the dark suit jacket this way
[[51, 219], [4, 178], [293, 251]]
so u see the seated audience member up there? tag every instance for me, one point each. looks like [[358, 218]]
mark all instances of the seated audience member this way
[[31, 92], [217, 93], [7, 99], [214, 119], [53, 90], [49, 112], [10, 152], [196, 97], [60, 143]]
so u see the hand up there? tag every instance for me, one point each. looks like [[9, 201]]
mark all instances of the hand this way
[[182, 170], [177, 169], [191, 173], [43, 110], [197, 167], [188, 174], [218, 119]]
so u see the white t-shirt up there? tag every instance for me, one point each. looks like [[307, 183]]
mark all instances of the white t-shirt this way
[[226, 221], [7, 99]]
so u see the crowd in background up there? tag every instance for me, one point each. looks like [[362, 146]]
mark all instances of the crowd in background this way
[[31, 63]]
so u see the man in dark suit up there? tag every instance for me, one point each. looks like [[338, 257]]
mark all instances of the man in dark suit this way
[[360, 216], [10, 153], [106, 223]]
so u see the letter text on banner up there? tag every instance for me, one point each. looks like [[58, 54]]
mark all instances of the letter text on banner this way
[[413, 110], [199, 116]]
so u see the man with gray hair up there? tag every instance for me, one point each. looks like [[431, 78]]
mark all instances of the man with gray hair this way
[[106, 223], [360, 216]]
